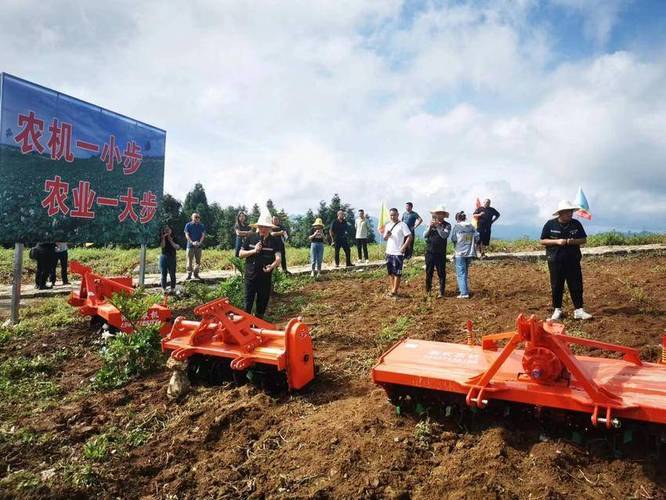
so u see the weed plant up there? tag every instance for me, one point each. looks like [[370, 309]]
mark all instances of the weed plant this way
[[393, 332], [129, 356]]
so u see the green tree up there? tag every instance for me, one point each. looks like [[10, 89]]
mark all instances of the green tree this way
[[254, 215]]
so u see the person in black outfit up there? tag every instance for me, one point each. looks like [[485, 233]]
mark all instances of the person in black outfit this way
[[280, 232], [562, 238], [44, 254], [486, 217], [60, 256], [242, 229], [436, 237], [168, 259], [339, 238], [262, 256]]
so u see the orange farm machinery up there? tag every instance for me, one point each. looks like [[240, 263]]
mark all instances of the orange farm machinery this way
[[92, 299], [544, 376], [230, 344]]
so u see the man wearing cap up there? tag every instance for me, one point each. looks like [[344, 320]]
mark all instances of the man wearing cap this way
[[362, 237], [413, 220], [397, 236], [195, 232], [486, 217], [562, 237], [261, 251], [436, 237]]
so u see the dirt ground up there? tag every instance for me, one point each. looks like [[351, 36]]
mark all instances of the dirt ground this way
[[340, 437]]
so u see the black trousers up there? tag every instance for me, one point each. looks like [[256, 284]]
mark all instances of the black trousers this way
[[60, 257], [410, 248], [570, 272], [283, 260], [45, 267], [258, 288], [345, 246], [362, 248], [435, 261]]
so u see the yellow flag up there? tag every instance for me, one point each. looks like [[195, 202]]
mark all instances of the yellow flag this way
[[384, 217]]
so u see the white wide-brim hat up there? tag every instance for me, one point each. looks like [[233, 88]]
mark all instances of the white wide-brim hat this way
[[440, 209], [265, 219], [565, 205]]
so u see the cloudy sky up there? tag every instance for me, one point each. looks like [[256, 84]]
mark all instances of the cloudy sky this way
[[432, 101]]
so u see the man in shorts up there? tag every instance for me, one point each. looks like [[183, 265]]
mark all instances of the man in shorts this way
[[486, 217], [398, 238]]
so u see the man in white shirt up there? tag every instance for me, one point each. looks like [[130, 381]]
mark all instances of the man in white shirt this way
[[397, 236], [362, 237]]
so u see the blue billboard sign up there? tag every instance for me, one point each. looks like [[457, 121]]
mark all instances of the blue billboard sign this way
[[73, 171]]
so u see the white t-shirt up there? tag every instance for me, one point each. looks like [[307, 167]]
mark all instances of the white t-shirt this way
[[397, 238], [361, 228]]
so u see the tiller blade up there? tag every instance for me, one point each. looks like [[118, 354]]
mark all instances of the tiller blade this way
[[92, 299], [228, 341], [545, 374]]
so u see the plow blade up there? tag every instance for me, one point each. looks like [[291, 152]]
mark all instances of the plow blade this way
[[228, 341], [92, 299], [545, 374]]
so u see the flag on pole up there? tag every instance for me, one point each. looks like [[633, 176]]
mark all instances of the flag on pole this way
[[384, 217], [581, 201], [475, 217]]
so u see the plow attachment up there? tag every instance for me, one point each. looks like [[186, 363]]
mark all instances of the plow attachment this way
[[228, 343], [545, 374], [93, 296]]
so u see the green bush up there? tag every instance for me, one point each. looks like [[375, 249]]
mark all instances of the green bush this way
[[128, 356]]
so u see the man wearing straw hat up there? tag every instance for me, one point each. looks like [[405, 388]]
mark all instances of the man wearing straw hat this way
[[262, 254], [316, 247], [562, 237], [436, 237]]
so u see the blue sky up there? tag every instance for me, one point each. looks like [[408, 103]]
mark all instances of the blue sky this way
[[434, 101]]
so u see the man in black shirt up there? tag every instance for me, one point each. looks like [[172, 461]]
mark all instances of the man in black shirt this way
[[562, 238], [486, 217], [436, 237], [261, 251], [339, 238]]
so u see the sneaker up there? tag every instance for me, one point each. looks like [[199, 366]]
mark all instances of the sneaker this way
[[164, 291], [440, 295], [581, 314], [189, 276], [461, 296], [557, 314], [196, 276], [312, 274]]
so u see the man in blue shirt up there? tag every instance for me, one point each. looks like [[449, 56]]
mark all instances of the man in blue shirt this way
[[413, 220], [195, 232]]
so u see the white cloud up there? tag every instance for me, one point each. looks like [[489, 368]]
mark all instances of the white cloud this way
[[298, 100]]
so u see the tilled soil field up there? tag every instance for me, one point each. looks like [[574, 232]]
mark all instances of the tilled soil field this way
[[340, 437]]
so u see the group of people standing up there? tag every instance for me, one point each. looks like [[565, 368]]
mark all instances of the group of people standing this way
[[47, 256], [262, 245], [399, 237]]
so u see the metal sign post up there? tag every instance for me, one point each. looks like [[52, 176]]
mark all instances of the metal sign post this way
[[142, 265], [16, 282]]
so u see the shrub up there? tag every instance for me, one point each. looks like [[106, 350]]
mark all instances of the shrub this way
[[128, 356]]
